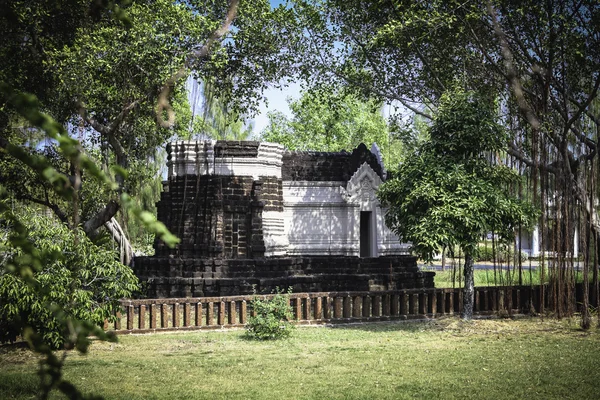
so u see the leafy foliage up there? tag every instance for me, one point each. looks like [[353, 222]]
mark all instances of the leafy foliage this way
[[83, 280], [87, 65], [502, 253], [270, 317], [450, 191], [100, 85], [214, 120], [27, 261], [329, 120]]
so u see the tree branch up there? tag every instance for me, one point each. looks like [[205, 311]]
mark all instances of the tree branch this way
[[511, 73], [109, 131], [371, 89], [585, 105], [103, 216], [55, 209], [163, 105], [514, 151]]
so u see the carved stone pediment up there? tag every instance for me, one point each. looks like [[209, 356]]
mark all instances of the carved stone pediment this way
[[362, 186]]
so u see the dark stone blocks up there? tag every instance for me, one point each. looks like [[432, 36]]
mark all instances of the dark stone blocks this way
[[218, 216], [321, 166], [188, 277], [231, 148]]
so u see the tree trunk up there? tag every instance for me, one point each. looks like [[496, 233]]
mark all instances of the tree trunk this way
[[101, 218], [444, 259], [469, 289], [125, 250]]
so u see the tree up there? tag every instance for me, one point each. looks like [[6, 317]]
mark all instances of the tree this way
[[449, 191], [541, 60], [212, 118], [105, 83], [85, 280], [104, 86], [329, 120], [44, 38]]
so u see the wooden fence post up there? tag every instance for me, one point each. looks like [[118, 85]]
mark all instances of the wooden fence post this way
[[386, 305], [198, 314], [395, 310], [367, 306], [187, 314], [142, 317], [347, 306], [403, 304], [357, 307], [152, 316], [243, 312], [221, 316], [130, 312], [232, 313], [164, 316], [376, 306], [176, 318], [210, 313], [318, 308], [337, 307]]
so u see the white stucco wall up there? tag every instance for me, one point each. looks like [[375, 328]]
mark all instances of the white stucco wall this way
[[323, 218]]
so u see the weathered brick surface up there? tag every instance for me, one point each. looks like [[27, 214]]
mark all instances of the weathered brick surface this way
[[217, 216], [268, 191], [185, 277], [323, 166]]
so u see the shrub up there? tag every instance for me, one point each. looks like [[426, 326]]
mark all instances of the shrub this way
[[270, 317], [84, 280], [486, 253]]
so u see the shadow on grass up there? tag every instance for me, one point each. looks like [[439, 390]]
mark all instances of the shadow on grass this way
[[19, 385], [410, 326], [8, 347]]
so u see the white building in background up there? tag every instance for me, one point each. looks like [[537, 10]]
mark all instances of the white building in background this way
[[531, 243]]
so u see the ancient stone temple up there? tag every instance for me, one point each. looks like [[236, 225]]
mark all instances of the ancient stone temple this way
[[251, 215]]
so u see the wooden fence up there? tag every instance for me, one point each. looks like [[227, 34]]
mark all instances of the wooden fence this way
[[145, 316]]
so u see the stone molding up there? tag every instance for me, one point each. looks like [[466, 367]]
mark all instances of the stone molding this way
[[362, 186], [199, 158], [275, 239]]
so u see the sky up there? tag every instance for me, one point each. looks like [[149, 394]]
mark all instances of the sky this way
[[276, 101]]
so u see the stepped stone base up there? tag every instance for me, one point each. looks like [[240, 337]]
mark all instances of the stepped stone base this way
[[169, 276]]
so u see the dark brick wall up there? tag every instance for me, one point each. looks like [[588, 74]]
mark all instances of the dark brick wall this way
[[217, 216], [185, 277], [322, 166], [269, 192]]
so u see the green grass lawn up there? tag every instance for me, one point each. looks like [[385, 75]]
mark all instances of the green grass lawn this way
[[502, 277], [449, 278], [446, 358]]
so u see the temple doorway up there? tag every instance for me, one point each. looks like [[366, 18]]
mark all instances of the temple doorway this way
[[366, 234]]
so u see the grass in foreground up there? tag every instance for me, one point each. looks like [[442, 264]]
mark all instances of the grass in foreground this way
[[487, 359]]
